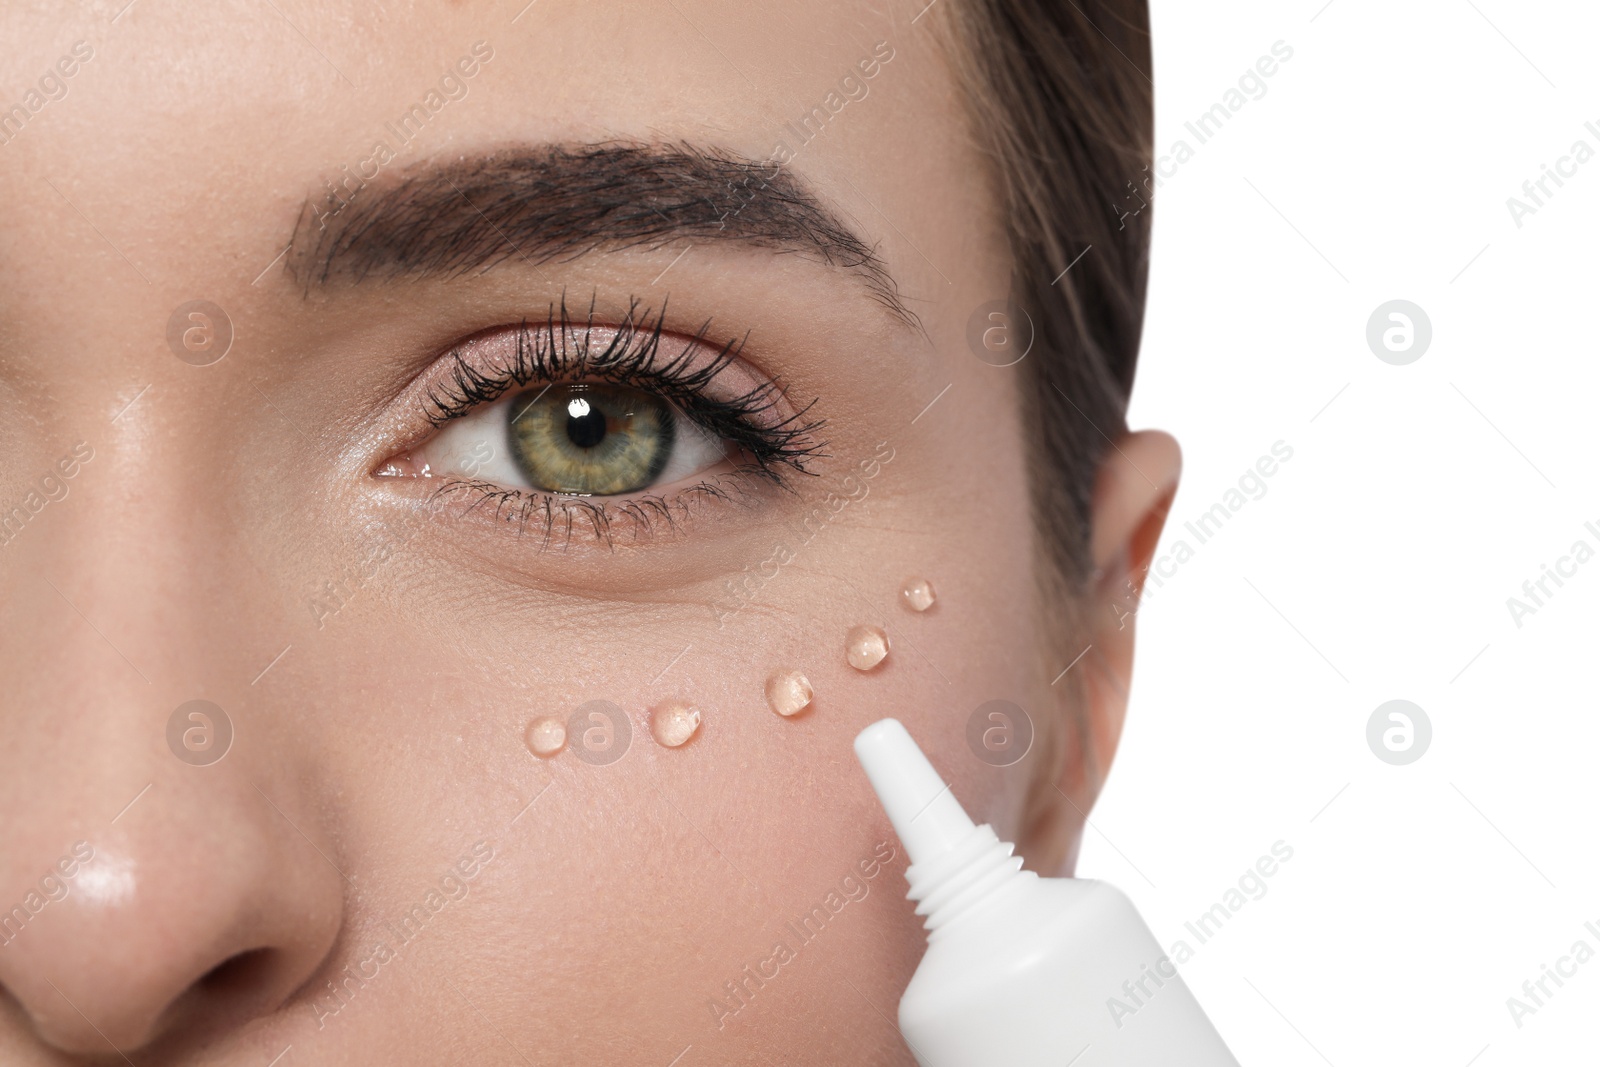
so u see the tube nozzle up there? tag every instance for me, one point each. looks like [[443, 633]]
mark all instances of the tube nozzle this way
[[927, 817]]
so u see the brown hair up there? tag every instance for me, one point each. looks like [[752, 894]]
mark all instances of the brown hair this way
[[1061, 99]]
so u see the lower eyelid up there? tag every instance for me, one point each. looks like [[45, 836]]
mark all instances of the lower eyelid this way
[[551, 520]]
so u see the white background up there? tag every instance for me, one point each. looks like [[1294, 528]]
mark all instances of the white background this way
[[1379, 562]]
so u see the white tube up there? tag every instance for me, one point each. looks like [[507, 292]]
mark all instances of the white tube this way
[[1022, 970]]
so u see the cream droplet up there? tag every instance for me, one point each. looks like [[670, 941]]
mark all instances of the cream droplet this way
[[789, 693], [917, 594], [546, 736], [674, 722], [865, 647]]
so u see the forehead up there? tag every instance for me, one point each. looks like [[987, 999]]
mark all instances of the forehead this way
[[216, 123]]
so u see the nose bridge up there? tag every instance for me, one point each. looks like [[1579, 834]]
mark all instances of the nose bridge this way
[[136, 542], [155, 828], [109, 620], [96, 639]]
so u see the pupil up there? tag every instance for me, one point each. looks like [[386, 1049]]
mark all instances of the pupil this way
[[586, 424], [586, 430]]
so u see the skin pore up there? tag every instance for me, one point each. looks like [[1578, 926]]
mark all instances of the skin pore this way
[[380, 647]]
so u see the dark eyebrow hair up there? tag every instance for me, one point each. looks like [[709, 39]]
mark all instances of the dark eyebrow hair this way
[[556, 202]]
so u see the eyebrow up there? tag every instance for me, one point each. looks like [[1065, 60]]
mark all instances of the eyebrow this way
[[558, 202]]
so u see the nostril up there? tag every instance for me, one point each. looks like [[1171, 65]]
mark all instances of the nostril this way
[[241, 986], [241, 975]]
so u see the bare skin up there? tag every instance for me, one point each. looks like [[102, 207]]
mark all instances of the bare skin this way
[[379, 648]]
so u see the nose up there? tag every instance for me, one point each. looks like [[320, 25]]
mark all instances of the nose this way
[[200, 908], [149, 891]]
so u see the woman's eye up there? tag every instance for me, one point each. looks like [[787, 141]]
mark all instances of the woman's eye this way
[[578, 439]]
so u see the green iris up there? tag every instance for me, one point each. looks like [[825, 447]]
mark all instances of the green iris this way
[[590, 439]]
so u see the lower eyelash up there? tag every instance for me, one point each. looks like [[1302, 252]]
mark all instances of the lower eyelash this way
[[562, 351], [557, 515]]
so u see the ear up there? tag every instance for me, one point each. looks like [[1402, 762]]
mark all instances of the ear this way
[[1133, 492]]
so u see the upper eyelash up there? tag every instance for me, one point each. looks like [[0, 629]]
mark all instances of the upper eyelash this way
[[562, 350]]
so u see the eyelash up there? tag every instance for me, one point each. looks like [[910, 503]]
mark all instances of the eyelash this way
[[563, 350]]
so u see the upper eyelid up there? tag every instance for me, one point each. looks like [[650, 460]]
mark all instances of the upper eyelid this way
[[625, 348], [561, 347], [709, 383]]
